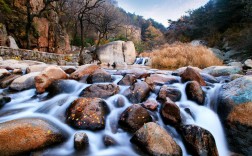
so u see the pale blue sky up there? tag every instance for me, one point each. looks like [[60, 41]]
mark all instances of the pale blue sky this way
[[160, 10]]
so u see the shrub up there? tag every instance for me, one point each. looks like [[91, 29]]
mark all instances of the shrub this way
[[181, 54]]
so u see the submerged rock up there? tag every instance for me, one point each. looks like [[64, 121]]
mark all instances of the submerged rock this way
[[80, 141], [87, 113], [194, 92], [109, 141], [25, 135], [154, 140], [173, 93], [84, 70], [100, 90], [128, 80], [138, 92], [99, 75], [24, 82], [170, 113], [191, 74], [134, 117], [198, 141]]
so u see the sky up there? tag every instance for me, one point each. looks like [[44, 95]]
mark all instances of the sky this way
[[160, 10]]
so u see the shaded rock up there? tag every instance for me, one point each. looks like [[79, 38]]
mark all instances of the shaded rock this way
[[198, 141], [138, 92], [128, 80], [47, 76], [80, 141], [120, 102], [154, 140], [134, 117], [234, 93], [150, 105], [24, 135], [170, 113], [17, 71], [87, 113], [192, 75], [36, 68], [173, 93], [68, 69], [248, 63], [239, 129], [8, 80], [99, 75], [209, 78], [84, 70], [194, 92], [100, 90], [4, 73], [60, 86], [109, 141], [163, 79], [24, 82], [222, 70], [4, 100]]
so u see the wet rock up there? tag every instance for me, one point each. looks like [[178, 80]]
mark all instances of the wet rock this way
[[8, 80], [4, 72], [17, 71], [128, 80], [209, 78], [170, 113], [99, 75], [84, 70], [150, 105], [24, 82], [233, 94], [100, 90], [194, 92], [192, 75], [120, 102], [138, 72], [87, 113], [24, 135], [198, 141], [80, 141], [109, 141], [59, 87], [170, 92], [154, 140], [238, 128], [222, 70], [36, 68], [4, 100], [150, 82], [47, 76], [138, 92], [248, 64], [134, 117], [163, 79]]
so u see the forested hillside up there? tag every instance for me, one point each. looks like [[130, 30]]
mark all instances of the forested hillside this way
[[222, 23]]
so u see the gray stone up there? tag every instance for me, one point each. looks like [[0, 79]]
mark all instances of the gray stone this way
[[24, 82]]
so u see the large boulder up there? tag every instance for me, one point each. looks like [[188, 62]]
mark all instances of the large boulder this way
[[128, 80], [134, 117], [24, 82], [154, 140], [117, 51], [87, 113], [36, 68], [170, 113], [138, 92], [167, 91], [191, 74], [84, 70], [47, 76], [239, 129], [163, 79], [100, 90], [25, 135], [194, 92], [222, 70], [198, 141]]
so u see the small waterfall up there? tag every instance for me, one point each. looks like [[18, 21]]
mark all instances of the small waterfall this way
[[141, 60], [29, 104]]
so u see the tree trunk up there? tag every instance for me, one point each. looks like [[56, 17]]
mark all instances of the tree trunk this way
[[28, 24]]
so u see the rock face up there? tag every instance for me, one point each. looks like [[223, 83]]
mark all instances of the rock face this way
[[134, 117], [198, 141], [24, 82], [100, 90], [239, 129], [87, 113], [170, 92], [118, 52], [99, 75], [154, 140], [138, 92], [25, 135], [127, 80], [222, 70], [191, 74], [170, 113], [47, 76], [194, 92], [84, 71], [80, 140]]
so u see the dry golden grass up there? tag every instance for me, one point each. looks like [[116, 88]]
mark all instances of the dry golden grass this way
[[181, 54]]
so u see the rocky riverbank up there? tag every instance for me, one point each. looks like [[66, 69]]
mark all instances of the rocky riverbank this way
[[50, 109]]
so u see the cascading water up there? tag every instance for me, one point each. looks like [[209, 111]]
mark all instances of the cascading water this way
[[28, 104], [141, 60]]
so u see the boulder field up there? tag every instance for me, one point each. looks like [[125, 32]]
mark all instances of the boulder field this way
[[150, 115]]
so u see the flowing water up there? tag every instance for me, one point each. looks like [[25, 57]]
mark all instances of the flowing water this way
[[29, 104], [141, 60]]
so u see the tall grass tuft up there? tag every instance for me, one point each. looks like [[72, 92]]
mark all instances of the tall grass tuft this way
[[182, 54]]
